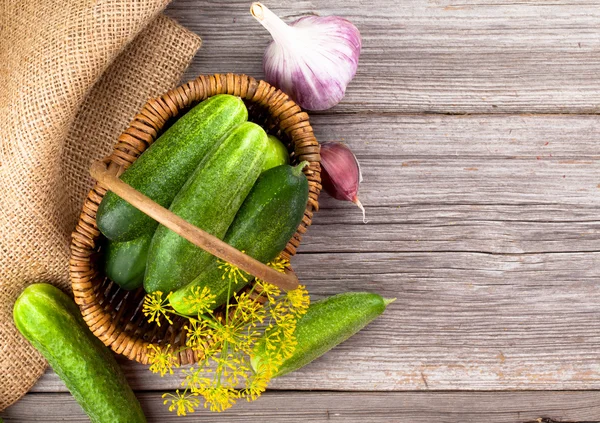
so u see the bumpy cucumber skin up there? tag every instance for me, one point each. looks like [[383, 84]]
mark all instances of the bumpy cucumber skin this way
[[162, 170], [125, 262], [209, 200], [328, 323], [262, 227], [53, 324], [276, 154]]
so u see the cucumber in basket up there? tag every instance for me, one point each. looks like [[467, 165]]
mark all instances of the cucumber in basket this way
[[161, 171], [276, 154], [125, 262], [52, 322], [265, 223], [209, 200]]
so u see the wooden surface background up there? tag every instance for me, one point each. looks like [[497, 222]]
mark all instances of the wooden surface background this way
[[476, 126]]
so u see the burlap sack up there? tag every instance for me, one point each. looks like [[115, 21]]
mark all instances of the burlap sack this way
[[72, 75]]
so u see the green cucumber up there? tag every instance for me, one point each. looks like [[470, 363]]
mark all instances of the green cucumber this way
[[52, 322], [161, 171], [209, 200], [326, 324], [276, 154], [125, 262], [262, 227]]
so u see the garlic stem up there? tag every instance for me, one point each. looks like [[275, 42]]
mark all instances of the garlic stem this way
[[279, 30]]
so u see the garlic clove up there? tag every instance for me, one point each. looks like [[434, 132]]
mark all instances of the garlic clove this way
[[340, 173], [313, 59]]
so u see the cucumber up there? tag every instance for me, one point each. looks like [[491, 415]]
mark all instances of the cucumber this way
[[209, 200], [52, 322], [125, 262], [161, 171], [262, 227], [326, 324], [276, 154]]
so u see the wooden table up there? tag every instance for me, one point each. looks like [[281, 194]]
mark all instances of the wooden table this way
[[475, 123]]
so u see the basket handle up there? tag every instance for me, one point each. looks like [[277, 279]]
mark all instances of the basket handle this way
[[286, 281]]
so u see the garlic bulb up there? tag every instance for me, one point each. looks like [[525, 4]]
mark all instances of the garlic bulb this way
[[313, 59], [340, 173]]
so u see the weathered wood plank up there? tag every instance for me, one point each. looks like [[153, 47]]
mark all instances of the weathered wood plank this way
[[451, 228], [417, 136], [432, 56], [363, 407], [520, 160]]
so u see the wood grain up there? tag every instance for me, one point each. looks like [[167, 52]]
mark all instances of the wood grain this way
[[431, 56], [363, 407]]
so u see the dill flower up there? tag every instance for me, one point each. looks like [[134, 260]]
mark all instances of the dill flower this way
[[197, 332], [226, 333], [200, 300], [181, 402], [279, 263], [256, 385], [299, 300], [162, 360], [270, 291], [219, 398], [231, 272], [197, 379], [226, 340], [248, 310], [154, 307]]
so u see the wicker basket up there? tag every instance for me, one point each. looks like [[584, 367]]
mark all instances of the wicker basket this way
[[115, 315]]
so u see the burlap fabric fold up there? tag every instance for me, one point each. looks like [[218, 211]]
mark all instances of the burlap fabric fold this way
[[72, 75]]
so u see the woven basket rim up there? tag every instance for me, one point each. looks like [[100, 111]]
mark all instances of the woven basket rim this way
[[99, 299]]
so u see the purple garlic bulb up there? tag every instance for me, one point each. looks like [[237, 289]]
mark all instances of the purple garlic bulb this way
[[313, 59]]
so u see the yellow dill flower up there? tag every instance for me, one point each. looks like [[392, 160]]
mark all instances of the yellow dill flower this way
[[238, 373], [201, 301], [196, 379], [226, 332], [279, 264], [270, 291], [219, 398], [256, 384], [288, 347], [162, 360], [231, 272], [154, 307], [280, 312], [227, 341], [299, 300], [206, 349], [287, 324], [197, 333], [181, 402], [247, 310], [274, 336]]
